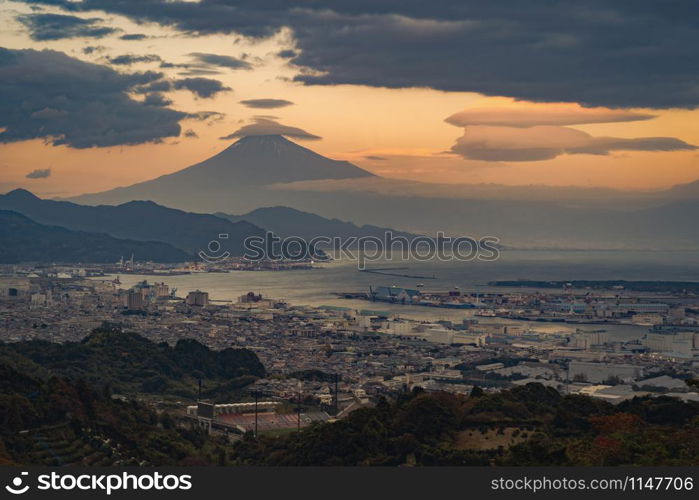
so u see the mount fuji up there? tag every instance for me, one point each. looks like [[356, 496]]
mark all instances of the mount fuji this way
[[236, 178]]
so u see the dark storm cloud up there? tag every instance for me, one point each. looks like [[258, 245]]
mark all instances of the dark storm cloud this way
[[44, 27], [91, 49], [626, 53], [287, 53], [128, 59], [210, 117], [165, 64], [156, 99], [133, 37], [202, 87], [220, 60], [49, 95], [199, 71], [263, 125], [154, 86], [39, 173], [190, 133], [266, 103]]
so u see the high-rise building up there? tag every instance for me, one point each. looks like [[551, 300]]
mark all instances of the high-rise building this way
[[197, 298], [134, 301], [161, 290]]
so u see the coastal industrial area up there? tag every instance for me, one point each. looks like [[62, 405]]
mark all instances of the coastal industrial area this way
[[337, 359]]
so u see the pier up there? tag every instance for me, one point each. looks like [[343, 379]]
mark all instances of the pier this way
[[387, 271]]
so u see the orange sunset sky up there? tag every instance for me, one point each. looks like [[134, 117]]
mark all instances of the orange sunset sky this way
[[394, 132]]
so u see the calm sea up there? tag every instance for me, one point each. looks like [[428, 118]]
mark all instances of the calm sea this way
[[316, 286]]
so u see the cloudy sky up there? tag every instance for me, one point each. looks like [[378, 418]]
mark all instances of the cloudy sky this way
[[96, 94]]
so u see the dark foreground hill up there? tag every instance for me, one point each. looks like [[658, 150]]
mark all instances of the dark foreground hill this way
[[57, 406], [58, 422], [23, 240], [131, 364], [525, 426]]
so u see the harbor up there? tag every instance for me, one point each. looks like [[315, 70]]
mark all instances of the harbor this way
[[570, 306], [391, 271]]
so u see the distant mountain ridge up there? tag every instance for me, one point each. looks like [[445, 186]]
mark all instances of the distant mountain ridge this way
[[286, 222], [689, 190], [271, 171], [27, 241], [136, 220]]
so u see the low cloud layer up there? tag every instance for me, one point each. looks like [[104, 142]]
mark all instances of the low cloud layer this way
[[403, 188], [536, 133], [44, 27], [553, 114], [49, 95], [267, 126], [266, 103]]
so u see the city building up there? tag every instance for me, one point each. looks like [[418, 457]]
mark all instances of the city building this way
[[197, 298]]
